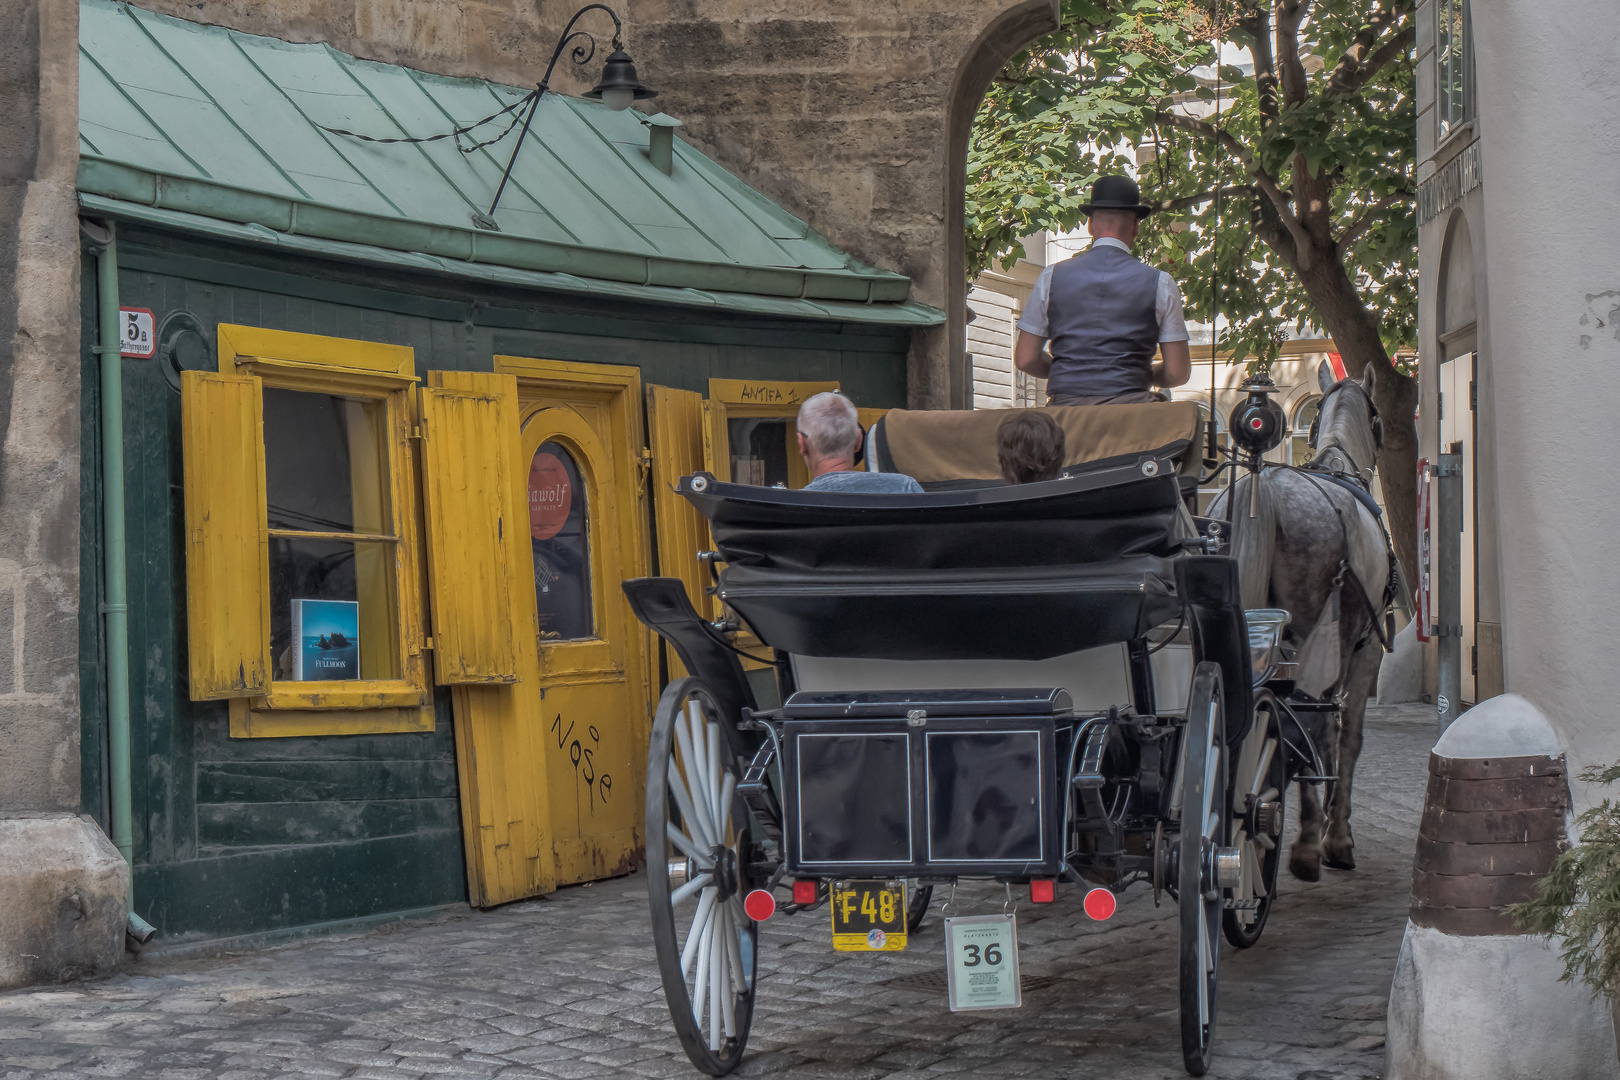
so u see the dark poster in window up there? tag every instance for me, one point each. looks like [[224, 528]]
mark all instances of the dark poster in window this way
[[559, 534]]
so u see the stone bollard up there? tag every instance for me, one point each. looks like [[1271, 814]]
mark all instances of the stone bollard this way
[[1473, 997]]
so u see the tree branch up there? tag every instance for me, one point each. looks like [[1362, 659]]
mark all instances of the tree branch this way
[[1354, 67], [1194, 126], [1264, 182], [1257, 26], [1184, 201], [1389, 50], [1290, 15], [1365, 219]]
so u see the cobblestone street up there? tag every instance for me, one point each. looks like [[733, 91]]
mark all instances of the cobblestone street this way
[[568, 987]]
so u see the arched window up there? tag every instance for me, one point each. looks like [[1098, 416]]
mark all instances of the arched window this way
[[1299, 432]]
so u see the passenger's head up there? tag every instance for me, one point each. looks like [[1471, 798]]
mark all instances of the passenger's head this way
[[1029, 446], [829, 429]]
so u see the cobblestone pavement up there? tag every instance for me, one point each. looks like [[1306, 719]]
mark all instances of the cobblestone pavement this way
[[568, 987]]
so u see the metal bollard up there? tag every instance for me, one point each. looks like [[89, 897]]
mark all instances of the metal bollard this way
[[1448, 582]]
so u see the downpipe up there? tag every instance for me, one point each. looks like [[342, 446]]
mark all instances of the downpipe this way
[[115, 575]]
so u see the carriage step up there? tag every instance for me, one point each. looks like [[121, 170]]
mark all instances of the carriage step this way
[[755, 791], [1243, 905]]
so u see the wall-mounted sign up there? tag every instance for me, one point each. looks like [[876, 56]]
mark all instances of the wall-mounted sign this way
[[1455, 179], [137, 332], [551, 496], [1425, 539]]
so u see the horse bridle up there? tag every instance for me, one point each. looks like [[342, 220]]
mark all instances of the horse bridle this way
[[1372, 412]]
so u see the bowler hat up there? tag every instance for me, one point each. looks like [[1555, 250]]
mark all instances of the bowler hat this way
[[1116, 193]]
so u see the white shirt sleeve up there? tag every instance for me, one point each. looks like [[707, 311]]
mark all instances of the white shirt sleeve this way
[[1172, 324], [1034, 319]]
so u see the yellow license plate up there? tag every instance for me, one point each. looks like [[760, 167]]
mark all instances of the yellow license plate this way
[[868, 916]]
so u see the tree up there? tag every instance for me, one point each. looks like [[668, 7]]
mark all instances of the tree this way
[[1291, 203]]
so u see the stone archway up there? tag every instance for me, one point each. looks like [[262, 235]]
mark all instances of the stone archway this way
[[997, 43]]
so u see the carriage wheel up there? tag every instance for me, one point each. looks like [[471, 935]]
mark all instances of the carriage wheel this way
[[1259, 798], [917, 906], [1203, 832], [705, 942]]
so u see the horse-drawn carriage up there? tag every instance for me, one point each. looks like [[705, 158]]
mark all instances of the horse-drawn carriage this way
[[1050, 686]]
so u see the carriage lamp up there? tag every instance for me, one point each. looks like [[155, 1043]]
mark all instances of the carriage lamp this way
[[1042, 890], [760, 905], [1257, 423], [1101, 904], [804, 891]]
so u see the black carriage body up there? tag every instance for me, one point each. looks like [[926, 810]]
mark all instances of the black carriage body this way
[[931, 784]]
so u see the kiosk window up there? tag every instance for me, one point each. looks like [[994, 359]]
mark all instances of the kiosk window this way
[[559, 530], [759, 450]]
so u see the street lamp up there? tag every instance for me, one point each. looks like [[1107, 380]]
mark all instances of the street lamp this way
[[618, 88]]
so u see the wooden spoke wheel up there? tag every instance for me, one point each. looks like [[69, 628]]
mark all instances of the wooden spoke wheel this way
[[706, 943], [1201, 844], [1259, 794]]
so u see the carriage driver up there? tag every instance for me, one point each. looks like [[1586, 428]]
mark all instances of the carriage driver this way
[[1104, 313]]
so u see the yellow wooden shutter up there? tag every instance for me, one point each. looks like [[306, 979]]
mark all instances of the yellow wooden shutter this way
[[675, 420], [469, 432], [227, 543]]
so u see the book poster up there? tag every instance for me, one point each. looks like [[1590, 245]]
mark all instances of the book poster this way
[[326, 636]]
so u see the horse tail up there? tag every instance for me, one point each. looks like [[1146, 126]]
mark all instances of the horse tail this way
[[1252, 509]]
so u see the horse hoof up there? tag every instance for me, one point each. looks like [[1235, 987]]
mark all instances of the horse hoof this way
[[1305, 865], [1341, 862]]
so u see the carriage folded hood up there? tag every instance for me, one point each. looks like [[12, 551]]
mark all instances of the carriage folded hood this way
[[1019, 613], [1113, 513]]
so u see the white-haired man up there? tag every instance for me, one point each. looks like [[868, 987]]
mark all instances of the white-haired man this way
[[829, 437]]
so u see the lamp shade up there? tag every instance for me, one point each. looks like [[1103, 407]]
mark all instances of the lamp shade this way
[[619, 85]]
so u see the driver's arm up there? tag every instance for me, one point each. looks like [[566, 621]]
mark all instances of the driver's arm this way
[[1174, 366], [1030, 355]]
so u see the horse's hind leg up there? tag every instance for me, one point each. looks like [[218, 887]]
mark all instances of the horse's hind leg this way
[[1338, 849], [1305, 856]]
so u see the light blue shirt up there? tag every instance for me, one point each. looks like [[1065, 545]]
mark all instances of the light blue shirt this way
[[865, 483]]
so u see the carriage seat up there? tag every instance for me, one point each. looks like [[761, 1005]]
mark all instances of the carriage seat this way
[[955, 448]]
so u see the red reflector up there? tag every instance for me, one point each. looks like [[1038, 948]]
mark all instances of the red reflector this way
[[804, 891], [1100, 904], [760, 905], [1042, 891]]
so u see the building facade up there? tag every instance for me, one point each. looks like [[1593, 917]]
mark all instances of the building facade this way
[[1519, 248], [277, 400]]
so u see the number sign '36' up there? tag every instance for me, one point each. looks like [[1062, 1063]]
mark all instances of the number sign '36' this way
[[981, 956]]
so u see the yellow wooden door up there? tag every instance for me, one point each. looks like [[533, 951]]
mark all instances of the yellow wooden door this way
[[581, 479]]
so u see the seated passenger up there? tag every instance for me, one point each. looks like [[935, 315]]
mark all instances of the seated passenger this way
[[1029, 447], [829, 437]]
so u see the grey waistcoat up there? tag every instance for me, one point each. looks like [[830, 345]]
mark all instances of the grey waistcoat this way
[[1104, 325]]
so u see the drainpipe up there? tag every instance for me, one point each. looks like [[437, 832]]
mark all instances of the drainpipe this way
[[116, 605]]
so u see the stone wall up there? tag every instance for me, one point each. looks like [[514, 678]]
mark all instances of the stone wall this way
[[852, 114], [39, 407], [63, 886]]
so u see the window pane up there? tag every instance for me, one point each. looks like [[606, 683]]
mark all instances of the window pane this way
[[759, 450], [559, 532], [325, 464], [339, 596]]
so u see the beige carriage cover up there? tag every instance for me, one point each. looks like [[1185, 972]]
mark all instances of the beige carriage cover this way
[[945, 445]]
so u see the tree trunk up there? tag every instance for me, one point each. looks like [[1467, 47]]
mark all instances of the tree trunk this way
[[1354, 330]]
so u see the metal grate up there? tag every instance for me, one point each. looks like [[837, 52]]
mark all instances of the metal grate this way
[[937, 982]]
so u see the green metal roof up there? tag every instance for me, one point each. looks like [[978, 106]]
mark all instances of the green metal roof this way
[[198, 126]]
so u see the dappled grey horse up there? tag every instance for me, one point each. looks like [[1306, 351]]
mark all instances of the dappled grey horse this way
[[1306, 543]]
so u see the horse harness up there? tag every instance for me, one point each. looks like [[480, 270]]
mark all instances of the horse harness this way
[[1358, 483], [1360, 488]]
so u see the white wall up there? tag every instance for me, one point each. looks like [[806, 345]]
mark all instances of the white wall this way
[[1549, 106]]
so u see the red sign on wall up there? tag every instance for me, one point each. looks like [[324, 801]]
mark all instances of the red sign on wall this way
[[551, 496]]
